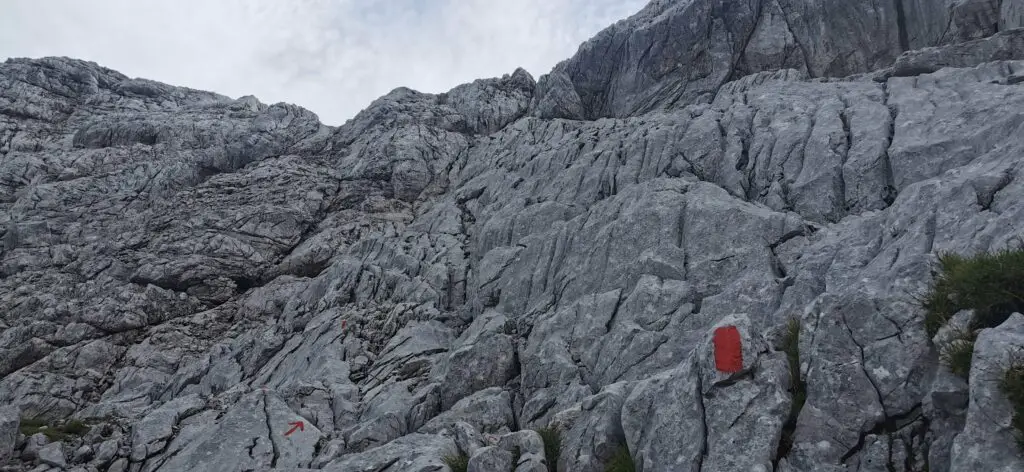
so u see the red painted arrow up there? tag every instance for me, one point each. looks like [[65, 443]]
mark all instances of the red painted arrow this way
[[295, 425]]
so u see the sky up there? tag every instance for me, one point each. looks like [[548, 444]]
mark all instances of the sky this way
[[333, 57]]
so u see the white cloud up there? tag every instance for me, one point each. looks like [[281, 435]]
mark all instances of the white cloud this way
[[333, 57]]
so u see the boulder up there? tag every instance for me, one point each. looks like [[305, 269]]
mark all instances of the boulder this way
[[52, 454]]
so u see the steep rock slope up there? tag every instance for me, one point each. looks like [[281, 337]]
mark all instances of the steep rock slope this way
[[192, 275]]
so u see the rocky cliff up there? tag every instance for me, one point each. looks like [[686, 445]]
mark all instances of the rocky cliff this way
[[194, 282]]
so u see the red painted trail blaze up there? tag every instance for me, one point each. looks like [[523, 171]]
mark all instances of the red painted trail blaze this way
[[728, 350], [295, 425]]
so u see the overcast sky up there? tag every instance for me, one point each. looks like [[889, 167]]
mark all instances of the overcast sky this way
[[331, 56]]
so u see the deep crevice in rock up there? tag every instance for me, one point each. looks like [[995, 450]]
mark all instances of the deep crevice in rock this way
[[890, 425], [901, 26]]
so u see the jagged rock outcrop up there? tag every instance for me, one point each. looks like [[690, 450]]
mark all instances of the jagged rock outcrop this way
[[675, 53], [208, 283]]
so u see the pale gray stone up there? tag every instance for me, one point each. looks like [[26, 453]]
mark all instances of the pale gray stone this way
[[52, 454], [490, 458], [33, 444], [334, 449], [675, 439], [483, 357], [250, 434], [596, 434], [529, 445], [82, 454], [106, 451], [1011, 15], [150, 435], [987, 441], [1006, 45], [120, 465], [414, 453], [10, 419], [487, 411]]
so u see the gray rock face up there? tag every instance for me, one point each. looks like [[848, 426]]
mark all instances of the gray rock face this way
[[674, 53], [946, 404], [987, 440], [490, 458], [1003, 46], [414, 452], [251, 434], [119, 465], [10, 419], [150, 435], [32, 446], [527, 449], [593, 431], [196, 276], [106, 451], [1011, 15]]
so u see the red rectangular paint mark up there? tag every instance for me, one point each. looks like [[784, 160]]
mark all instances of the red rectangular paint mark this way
[[728, 350]]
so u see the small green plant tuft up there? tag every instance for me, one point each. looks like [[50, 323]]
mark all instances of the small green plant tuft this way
[[29, 422], [959, 351], [621, 461], [1012, 385], [992, 284], [30, 426], [552, 446], [75, 427], [457, 463], [798, 388]]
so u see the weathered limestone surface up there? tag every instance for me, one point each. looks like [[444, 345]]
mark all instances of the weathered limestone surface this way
[[192, 275]]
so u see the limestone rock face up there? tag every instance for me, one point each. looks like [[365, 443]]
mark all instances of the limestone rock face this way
[[678, 52], [9, 422], [988, 439], [194, 282]]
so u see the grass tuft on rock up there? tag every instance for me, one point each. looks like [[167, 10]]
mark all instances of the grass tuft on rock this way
[[959, 351], [992, 284], [798, 388], [1012, 385], [621, 461], [552, 446], [457, 463], [61, 432]]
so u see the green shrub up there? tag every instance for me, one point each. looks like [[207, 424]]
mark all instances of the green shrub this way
[[457, 463], [798, 388], [552, 446], [959, 351], [992, 284], [621, 461], [1012, 384]]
